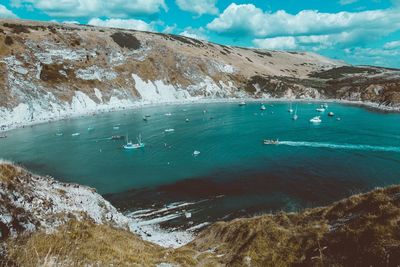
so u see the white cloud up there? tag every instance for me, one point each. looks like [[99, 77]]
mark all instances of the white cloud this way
[[250, 20], [132, 24], [392, 45], [199, 7], [277, 43], [88, 8], [194, 33], [6, 13]]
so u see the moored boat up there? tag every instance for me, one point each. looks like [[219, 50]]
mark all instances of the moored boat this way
[[316, 119]]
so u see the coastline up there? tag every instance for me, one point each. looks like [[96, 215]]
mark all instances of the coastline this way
[[107, 108]]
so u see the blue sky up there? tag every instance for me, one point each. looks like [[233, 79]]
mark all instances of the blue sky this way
[[357, 31]]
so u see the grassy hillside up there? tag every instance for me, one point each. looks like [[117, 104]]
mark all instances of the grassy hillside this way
[[362, 230]]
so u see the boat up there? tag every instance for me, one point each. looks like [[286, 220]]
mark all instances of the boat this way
[[242, 103], [290, 110], [75, 134], [187, 120], [116, 127], [144, 118], [3, 136], [196, 152], [169, 130], [90, 129], [331, 114], [168, 114], [295, 117], [147, 115], [271, 142], [325, 105], [263, 107], [59, 134], [130, 145], [316, 119], [338, 119], [320, 109]]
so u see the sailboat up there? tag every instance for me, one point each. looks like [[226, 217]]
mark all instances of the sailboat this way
[[295, 117], [290, 110], [130, 145]]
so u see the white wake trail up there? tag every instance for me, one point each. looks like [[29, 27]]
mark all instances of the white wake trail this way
[[341, 146]]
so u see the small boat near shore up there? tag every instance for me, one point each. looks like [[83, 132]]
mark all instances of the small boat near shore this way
[[3, 136], [75, 134], [242, 103], [331, 114], [263, 107]]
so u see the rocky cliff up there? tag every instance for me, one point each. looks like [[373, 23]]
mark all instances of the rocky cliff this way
[[50, 71]]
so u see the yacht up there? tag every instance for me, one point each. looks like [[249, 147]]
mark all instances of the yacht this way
[[316, 119]]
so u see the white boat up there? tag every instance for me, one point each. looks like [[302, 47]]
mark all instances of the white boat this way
[[271, 142], [320, 109], [331, 114], [325, 105], [187, 120], [168, 114], [90, 129], [263, 107], [196, 152], [59, 134], [242, 103], [116, 127], [295, 117], [290, 110], [316, 119], [130, 145], [75, 134], [169, 130]]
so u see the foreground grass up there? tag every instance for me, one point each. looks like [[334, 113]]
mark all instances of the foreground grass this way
[[362, 230]]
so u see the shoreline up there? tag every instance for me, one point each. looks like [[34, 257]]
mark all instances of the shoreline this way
[[143, 104]]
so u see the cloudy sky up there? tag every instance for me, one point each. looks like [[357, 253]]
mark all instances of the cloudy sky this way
[[357, 31]]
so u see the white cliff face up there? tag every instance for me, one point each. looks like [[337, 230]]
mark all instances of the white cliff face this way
[[69, 70]]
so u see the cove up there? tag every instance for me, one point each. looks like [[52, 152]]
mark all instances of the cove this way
[[234, 174]]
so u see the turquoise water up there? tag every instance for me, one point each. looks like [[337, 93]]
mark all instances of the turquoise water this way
[[313, 165]]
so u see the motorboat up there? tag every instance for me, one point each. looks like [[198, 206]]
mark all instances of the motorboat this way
[[320, 109], [316, 119], [75, 134], [331, 114], [263, 107], [130, 145], [196, 153], [116, 128], [187, 120], [144, 118], [168, 114], [271, 142], [169, 130], [242, 103]]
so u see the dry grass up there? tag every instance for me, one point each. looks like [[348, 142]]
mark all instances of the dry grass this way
[[8, 171], [363, 230]]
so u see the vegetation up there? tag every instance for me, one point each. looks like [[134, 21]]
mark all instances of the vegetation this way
[[126, 40]]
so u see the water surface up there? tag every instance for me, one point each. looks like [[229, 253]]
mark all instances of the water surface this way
[[235, 174]]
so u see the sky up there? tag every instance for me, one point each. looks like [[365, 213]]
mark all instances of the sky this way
[[360, 32]]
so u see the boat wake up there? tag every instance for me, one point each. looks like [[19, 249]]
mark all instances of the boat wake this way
[[341, 146]]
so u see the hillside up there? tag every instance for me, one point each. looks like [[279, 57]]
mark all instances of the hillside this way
[[52, 71], [362, 230]]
